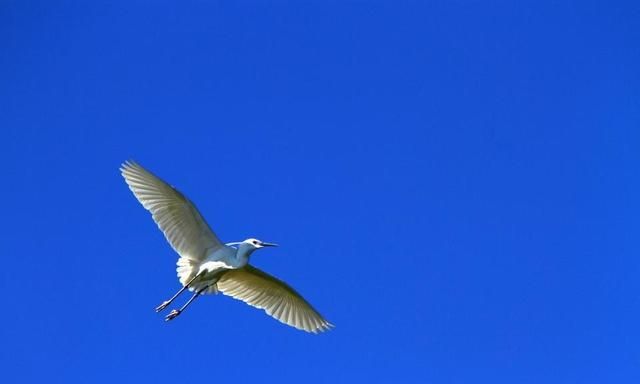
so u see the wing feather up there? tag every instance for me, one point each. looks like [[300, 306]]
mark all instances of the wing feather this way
[[274, 296], [183, 226]]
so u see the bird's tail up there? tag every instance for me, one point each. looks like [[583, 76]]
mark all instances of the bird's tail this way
[[187, 269]]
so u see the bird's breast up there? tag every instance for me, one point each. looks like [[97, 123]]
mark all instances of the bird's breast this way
[[224, 258], [212, 266]]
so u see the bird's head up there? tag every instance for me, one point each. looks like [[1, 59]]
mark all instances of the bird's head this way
[[246, 248], [257, 244]]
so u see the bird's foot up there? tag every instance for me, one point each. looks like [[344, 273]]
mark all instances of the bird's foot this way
[[172, 315], [162, 306]]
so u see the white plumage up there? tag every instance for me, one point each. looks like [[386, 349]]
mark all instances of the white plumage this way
[[206, 265]]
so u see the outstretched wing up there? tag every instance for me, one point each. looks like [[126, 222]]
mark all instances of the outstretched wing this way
[[279, 300], [176, 216]]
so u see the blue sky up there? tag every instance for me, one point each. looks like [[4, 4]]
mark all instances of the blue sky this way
[[454, 184]]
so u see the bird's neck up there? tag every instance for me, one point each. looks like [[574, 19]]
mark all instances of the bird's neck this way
[[243, 253]]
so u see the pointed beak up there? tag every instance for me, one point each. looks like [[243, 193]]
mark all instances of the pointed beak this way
[[268, 244]]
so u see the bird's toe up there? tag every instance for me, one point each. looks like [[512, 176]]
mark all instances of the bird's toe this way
[[162, 306], [172, 315]]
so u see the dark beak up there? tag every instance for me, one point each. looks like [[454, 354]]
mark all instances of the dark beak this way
[[268, 244]]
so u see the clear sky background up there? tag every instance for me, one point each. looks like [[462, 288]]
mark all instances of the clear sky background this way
[[454, 184]]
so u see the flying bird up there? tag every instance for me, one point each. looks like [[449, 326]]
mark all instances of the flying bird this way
[[208, 266]]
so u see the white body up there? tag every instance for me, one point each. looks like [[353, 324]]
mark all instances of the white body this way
[[217, 260]]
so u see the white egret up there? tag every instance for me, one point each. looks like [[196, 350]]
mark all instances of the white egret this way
[[206, 265]]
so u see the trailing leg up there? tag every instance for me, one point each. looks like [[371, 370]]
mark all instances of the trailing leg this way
[[173, 314], [167, 302]]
